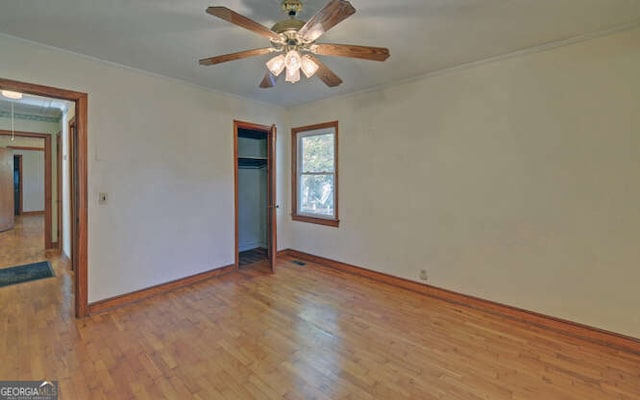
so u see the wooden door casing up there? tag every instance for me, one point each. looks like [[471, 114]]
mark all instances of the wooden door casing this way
[[272, 203], [271, 187]]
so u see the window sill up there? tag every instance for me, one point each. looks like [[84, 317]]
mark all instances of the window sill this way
[[320, 221]]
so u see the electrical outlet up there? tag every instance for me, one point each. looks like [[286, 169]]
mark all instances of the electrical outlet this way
[[423, 274], [103, 198]]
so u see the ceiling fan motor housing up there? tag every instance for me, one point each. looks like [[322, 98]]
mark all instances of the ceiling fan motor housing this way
[[288, 25], [291, 7]]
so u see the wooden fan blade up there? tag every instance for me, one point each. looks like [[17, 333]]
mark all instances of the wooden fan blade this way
[[333, 13], [244, 22], [268, 81], [349, 50], [235, 56], [325, 74]]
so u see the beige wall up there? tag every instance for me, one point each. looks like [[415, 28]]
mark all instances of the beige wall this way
[[66, 182], [252, 197], [515, 181], [32, 180], [163, 151], [30, 126]]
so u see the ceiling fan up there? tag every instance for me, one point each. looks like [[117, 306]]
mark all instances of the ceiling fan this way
[[295, 42]]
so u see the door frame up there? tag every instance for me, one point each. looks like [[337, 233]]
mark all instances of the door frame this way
[[48, 237], [71, 167], [58, 241], [79, 213], [272, 229]]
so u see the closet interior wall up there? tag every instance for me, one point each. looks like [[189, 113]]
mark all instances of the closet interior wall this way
[[252, 190]]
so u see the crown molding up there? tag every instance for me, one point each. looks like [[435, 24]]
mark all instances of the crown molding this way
[[29, 117], [489, 60]]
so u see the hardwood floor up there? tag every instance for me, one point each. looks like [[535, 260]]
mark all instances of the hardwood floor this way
[[24, 243], [306, 332]]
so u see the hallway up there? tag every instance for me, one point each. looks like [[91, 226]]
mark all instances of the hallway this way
[[24, 244]]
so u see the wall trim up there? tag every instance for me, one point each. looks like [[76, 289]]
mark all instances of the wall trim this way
[[37, 212], [570, 328], [29, 117], [251, 246], [25, 148], [142, 294], [59, 178]]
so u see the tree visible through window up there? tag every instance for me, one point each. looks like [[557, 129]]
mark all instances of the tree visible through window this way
[[315, 173]]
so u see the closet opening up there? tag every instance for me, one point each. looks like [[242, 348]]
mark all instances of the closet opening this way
[[255, 196]]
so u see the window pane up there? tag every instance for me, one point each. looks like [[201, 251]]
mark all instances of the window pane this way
[[317, 153], [316, 194]]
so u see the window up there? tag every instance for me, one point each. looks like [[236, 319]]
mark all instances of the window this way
[[314, 175]]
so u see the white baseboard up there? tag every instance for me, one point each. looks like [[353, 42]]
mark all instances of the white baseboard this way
[[251, 246]]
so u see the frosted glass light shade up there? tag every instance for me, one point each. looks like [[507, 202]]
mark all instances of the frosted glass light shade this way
[[309, 67], [11, 95], [292, 61], [293, 75], [276, 65]]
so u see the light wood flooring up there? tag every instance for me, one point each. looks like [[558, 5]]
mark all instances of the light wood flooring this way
[[307, 332], [24, 243]]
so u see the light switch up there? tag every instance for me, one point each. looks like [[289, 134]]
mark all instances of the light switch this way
[[103, 198]]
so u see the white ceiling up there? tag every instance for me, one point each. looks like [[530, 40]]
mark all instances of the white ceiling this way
[[167, 37], [34, 106]]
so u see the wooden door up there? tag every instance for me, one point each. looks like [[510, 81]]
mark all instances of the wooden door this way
[[6, 190], [272, 201]]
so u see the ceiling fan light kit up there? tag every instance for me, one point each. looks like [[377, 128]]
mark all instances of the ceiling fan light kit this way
[[276, 65], [11, 95], [293, 75], [295, 40], [309, 67]]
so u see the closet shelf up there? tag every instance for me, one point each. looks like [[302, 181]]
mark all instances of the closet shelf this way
[[252, 162]]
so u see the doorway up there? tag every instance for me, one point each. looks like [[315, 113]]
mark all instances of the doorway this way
[[17, 184], [33, 173], [255, 200], [78, 212]]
